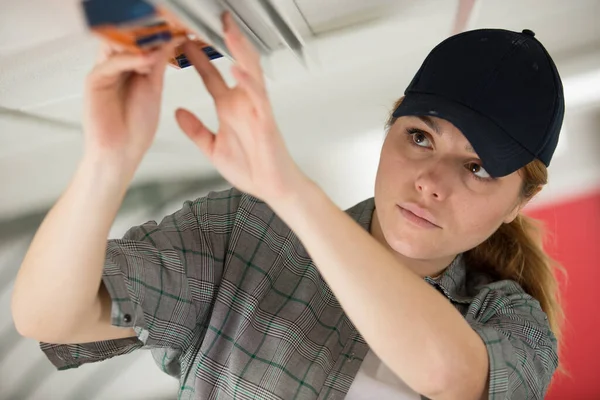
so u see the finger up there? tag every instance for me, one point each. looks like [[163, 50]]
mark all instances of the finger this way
[[117, 64], [255, 91], [104, 52], [210, 75], [157, 73], [107, 49], [241, 49], [196, 131]]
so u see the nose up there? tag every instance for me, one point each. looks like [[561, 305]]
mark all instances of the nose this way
[[434, 181]]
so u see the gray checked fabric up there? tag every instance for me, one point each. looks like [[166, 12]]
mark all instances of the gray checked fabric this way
[[229, 302]]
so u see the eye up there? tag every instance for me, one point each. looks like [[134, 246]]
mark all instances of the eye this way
[[478, 171], [420, 139]]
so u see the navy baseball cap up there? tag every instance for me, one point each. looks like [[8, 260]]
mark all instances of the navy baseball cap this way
[[500, 88]]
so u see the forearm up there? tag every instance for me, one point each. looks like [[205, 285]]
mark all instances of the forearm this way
[[411, 326], [61, 273]]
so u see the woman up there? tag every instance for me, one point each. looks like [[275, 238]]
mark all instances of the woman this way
[[436, 286]]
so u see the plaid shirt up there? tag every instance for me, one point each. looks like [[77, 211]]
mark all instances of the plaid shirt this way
[[231, 304]]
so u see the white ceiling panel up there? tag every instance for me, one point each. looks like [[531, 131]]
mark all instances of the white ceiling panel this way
[[323, 16], [32, 23], [47, 73], [21, 133]]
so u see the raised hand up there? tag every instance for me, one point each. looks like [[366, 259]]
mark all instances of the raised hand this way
[[248, 149], [122, 103]]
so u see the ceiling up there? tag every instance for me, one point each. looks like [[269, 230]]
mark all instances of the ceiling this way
[[363, 68]]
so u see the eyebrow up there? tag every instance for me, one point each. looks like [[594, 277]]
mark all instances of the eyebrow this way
[[433, 125]]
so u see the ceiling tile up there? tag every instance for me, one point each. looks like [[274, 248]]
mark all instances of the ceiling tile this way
[[329, 15], [32, 23]]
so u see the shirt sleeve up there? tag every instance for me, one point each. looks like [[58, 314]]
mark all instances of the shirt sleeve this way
[[162, 279], [522, 350]]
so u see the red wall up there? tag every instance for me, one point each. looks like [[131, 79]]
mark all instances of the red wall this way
[[575, 242]]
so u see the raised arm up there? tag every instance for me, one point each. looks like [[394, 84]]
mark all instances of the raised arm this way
[[58, 296]]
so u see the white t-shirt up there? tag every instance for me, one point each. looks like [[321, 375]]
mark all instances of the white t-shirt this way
[[375, 380]]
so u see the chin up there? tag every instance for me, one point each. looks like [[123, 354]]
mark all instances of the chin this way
[[419, 247]]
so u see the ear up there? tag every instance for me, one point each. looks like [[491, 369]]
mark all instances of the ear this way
[[515, 211], [519, 206]]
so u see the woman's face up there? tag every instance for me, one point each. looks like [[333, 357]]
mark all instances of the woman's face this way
[[433, 198]]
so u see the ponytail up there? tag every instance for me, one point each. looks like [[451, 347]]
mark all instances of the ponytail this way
[[515, 251]]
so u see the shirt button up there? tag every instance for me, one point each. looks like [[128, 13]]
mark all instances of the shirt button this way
[[351, 357], [127, 318]]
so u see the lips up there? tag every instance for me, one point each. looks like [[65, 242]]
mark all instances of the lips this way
[[418, 214]]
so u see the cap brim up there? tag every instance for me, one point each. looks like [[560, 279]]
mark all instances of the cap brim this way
[[500, 154]]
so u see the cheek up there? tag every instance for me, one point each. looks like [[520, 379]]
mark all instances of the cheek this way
[[394, 171], [476, 220]]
